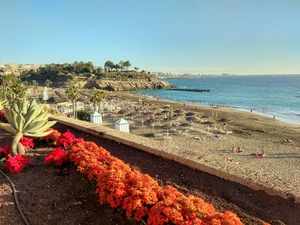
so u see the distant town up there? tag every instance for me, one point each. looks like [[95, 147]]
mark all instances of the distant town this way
[[186, 75]]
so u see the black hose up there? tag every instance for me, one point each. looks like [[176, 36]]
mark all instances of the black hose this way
[[16, 198]]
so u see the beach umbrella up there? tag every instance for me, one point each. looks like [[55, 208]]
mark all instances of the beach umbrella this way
[[159, 114], [186, 125], [165, 111], [178, 111], [123, 111], [151, 134], [132, 114], [208, 123], [193, 119], [224, 120], [190, 114], [181, 114]]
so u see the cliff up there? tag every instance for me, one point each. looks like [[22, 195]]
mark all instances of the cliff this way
[[125, 85]]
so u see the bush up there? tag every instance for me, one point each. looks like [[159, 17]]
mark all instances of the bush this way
[[84, 115]]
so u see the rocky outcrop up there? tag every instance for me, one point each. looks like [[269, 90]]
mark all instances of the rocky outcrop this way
[[125, 85]]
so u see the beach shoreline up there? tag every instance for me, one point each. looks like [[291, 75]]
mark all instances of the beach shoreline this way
[[208, 135], [291, 121]]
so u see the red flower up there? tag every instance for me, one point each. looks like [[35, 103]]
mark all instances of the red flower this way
[[78, 140], [58, 156], [17, 163], [65, 139], [27, 142], [4, 151], [2, 114]]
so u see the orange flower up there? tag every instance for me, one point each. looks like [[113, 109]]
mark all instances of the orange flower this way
[[139, 194], [52, 137]]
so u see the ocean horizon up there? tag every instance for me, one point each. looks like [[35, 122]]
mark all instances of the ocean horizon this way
[[269, 95]]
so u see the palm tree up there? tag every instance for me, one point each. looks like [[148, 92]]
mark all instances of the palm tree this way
[[121, 63], [108, 65], [73, 94], [17, 91], [35, 86], [97, 97], [127, 64]]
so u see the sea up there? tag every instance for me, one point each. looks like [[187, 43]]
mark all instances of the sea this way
[[270, 95]]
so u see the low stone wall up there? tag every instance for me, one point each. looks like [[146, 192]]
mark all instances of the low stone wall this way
[[155, 147]]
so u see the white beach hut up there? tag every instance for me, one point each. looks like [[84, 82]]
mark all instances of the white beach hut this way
[[122, 125], [96, 118]]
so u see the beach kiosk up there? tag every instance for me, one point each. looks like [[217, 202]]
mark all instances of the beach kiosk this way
[[122, 125], [96, 118]]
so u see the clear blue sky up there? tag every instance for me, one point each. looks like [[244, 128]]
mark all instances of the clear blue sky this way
[[197, 36]]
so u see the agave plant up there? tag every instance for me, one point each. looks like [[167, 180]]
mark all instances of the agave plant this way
[[25, 120], [2, 104]]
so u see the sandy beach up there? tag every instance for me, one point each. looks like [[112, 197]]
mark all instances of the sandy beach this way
[[254, 147]]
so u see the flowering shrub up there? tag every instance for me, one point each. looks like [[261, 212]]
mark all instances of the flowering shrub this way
[[2, 116], [52, 137], [4, 151], [27, 142], [117, 184], [2, 113], [17, 163], [65, 139], [13, 164], [139, 194], [58, 156]]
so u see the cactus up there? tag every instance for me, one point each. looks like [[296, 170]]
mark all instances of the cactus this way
[[25, 120]]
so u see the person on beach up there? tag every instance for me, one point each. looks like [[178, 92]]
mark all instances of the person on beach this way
[[259, 154]]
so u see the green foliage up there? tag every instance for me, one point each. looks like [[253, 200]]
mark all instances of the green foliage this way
[[2, 104], [76, 71], [108, 66], [84, 115], [48, 82], [17, 91], [108, 209], [127, 64], [73, 94], [25, 120], [97, 97]]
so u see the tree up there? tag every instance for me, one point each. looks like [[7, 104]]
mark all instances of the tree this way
[[73, 94], [117, 67], [97, 97], [108, 66], [48, 82], [127, 64], [136, 69], [17, 91], [89, 67], [121, 64], [35, 86]]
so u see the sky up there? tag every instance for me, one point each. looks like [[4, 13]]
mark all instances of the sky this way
[[178, 36]]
